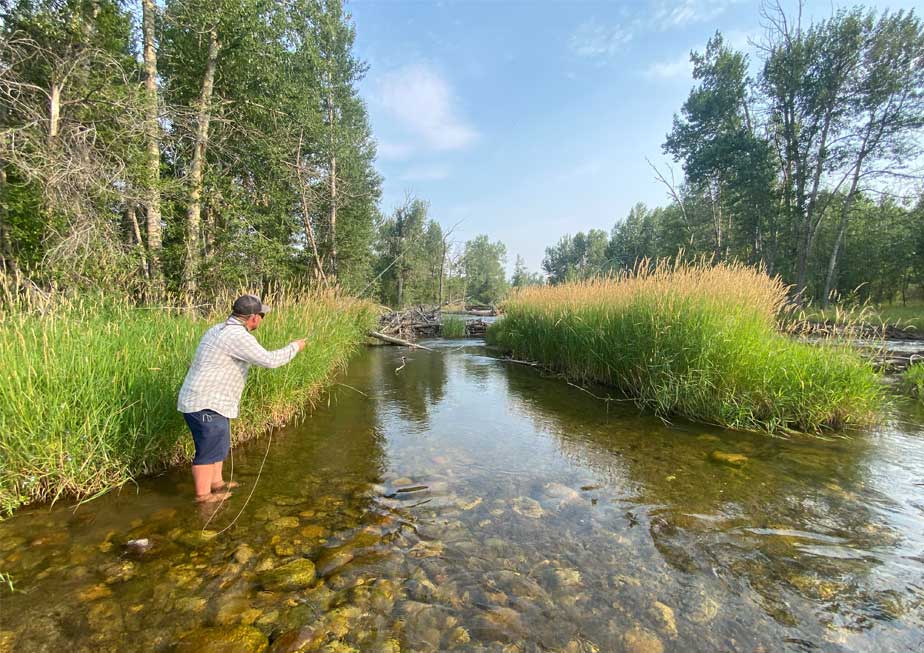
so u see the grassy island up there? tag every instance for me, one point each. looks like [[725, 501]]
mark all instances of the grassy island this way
[[697, 340], [88, 399]]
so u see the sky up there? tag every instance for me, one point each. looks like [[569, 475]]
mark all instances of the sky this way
[[527, 121]]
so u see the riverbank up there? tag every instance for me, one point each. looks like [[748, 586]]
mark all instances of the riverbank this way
[[88, 399], [698, 341]]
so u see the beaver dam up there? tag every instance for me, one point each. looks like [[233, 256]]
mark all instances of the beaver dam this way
[[465, 503]]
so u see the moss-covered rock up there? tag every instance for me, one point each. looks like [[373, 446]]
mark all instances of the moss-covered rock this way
[[294, 575], [240, 639]]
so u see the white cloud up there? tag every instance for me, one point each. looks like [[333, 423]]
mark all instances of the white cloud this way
[[423, 104], [394, 151], [676, 68], [426, 173], [687, 12], [738, 39], [595, 41]]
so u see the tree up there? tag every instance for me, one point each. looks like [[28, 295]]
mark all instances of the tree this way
[[723, 158], [484, 269], [887, 109]]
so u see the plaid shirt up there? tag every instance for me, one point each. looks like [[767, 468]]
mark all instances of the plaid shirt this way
[[216, 377]]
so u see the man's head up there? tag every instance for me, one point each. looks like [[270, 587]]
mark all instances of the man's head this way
[[250, 310]]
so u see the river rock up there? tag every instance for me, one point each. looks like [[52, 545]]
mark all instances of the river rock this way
[[284, 549], [706, 611], [666, 616], [266, 512], [562, 492], [527, 507], [501, 624], [191, 604], [243, 554], [305, 638], [314, 532], [332, 560], [725, 458], [240, 639], [294, 575], [639, 640], [282, 523], [94, 593], [230, 610]]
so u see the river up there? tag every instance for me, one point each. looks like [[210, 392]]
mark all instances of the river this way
[[463, 503]]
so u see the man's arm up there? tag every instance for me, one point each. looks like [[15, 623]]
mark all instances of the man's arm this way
[[244, 347]]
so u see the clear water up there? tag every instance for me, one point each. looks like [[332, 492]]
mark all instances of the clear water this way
[[465, 503]]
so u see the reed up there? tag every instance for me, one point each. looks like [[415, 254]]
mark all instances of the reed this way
[[88, 399], [913, 380], [452, 326], [698, 340]]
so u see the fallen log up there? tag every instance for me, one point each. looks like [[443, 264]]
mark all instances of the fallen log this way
[[396, 341]]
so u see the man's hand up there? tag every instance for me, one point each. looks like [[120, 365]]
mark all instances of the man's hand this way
[[300, 343]]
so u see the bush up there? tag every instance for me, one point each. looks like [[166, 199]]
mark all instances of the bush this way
[[88, 399], [695, 340]]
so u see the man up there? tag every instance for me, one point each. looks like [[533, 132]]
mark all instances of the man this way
[[212, 390]]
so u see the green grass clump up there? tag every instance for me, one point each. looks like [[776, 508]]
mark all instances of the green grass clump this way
[[452, 327], [88, 399], [696, 340], [913, 380]]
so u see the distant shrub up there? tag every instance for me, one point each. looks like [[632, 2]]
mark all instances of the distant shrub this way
[[452, 327]]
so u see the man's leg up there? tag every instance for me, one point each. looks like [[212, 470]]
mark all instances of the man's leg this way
[[202, 479], [210, 435]]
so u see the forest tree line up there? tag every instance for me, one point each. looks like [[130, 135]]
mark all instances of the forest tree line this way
[[804, 169], [190, 145]]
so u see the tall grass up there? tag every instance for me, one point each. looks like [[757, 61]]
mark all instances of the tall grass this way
[[695, 340], [88, 398], [452, 327], [913, 380]]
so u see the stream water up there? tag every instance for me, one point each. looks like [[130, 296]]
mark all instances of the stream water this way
[[463, 503]]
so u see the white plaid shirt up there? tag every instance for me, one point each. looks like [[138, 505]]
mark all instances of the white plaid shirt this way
[[219, 369]]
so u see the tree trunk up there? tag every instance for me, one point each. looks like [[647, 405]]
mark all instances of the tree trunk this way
[[54, 112], [306, 210], [152, 136], [194, 209], [845, 210], [442, 267], [7, 261], [332, 233]]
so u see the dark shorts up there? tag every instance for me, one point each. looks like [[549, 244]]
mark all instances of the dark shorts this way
[[212, 435]]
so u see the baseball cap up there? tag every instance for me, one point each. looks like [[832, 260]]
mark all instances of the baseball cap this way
[[249, 305]]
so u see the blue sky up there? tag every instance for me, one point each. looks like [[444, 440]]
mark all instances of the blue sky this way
[[530, 120]]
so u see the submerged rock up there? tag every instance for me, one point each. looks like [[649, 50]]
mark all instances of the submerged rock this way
[[240, 639], [666, 615], [733, 459], [639, 640], [93, 593], [527, 507], [294, 575], [243, 554], [282, 523], [333, 559]]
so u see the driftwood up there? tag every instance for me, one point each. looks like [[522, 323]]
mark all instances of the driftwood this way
[[425, 322], [396, 341]]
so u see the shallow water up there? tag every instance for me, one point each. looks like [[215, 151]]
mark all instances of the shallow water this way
[[465, 503]]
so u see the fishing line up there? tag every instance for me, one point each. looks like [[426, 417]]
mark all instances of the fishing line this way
[[252, 489]]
